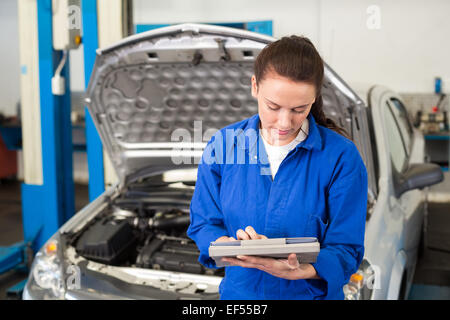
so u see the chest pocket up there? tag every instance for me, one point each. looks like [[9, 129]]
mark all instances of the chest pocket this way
[[316, 227]]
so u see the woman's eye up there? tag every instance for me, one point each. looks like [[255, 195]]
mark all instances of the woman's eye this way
[[274, 109], [299, 111]]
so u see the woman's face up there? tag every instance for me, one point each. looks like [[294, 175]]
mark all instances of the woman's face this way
[[283, 105]]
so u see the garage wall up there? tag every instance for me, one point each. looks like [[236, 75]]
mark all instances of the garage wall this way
[[408, 50], [405, 53], [289, 16], [9, 58]]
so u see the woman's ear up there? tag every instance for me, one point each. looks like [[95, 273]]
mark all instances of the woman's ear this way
[[254, 87]]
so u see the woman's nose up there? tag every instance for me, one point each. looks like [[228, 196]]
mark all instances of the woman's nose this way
[[284, 120]]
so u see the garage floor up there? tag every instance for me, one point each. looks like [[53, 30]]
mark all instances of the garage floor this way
[[431, 280], [432, 276], [11, 223]]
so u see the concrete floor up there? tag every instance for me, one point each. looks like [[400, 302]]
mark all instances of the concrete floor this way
[[431, 280]]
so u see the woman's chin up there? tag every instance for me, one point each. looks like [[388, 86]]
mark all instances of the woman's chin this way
[[281, 140]]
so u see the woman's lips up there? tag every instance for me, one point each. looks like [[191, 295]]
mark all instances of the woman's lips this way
[[283, 132]]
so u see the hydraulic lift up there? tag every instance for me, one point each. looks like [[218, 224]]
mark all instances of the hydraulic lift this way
[[47, 191], [48, 28]]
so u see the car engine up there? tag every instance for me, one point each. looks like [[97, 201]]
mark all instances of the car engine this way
[[144, 229]]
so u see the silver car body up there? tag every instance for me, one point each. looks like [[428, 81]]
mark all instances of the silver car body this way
[[395, 227]]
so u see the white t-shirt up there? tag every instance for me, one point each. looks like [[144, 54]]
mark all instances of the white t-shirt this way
[[276, 154]]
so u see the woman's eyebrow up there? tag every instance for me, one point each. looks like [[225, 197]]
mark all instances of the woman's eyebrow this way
[[303, 106]]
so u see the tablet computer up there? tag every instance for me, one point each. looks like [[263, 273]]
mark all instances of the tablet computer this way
[[306, 248]]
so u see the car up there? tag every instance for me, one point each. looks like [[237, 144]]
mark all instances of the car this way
[[156, 99]]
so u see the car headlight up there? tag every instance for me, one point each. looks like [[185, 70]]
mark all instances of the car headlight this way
[[46, 277], [362, 283]]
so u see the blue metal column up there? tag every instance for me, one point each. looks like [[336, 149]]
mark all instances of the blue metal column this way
[[46, 207], [93, 142]]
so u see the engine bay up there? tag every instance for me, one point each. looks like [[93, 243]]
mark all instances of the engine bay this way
[[145, 227]]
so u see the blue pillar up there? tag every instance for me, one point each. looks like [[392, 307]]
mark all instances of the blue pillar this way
[[93, 143], [46, 207]]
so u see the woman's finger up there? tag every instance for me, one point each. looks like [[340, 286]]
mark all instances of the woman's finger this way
[[251, 232], [222, 239], [240, 263], [242, 235], [293, 261], [266, 262]]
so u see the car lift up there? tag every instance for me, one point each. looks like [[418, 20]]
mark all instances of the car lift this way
[[48, 203], [48, 189]]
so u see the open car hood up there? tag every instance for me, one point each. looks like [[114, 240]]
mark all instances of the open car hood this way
[[193, 79]]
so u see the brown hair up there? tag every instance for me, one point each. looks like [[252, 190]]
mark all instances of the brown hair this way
[[296, 58]]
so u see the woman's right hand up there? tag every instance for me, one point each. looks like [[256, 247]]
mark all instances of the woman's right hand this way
[[249, 234]]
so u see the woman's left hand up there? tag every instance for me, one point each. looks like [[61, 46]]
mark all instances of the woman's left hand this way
[[289, 268]]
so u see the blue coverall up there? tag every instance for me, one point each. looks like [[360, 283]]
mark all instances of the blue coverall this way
[[320, 190]]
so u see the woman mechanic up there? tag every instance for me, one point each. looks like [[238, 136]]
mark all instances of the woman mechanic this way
[[300, 177]]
